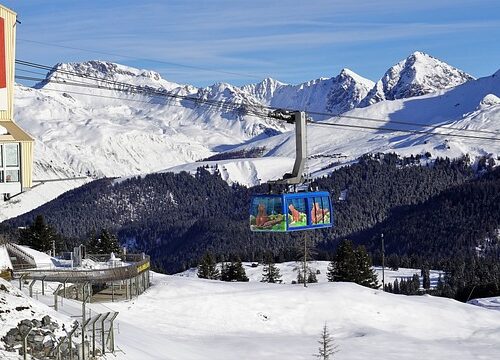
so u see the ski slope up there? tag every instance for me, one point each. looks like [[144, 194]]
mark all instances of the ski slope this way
[[186, 318]]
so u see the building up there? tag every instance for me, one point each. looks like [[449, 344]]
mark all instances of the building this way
[[16, 146]]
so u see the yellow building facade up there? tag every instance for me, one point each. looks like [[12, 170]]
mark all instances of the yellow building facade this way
[[16, 146]]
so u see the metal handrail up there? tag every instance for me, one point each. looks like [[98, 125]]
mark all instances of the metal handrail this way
[[18, 251], [80, 276]]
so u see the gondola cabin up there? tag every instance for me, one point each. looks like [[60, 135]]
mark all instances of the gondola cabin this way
[[291, 212]]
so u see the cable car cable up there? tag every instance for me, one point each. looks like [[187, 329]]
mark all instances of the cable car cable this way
[[259, 114], [162, 93]]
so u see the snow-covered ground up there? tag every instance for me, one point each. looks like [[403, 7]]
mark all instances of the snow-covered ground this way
[[5, 262], [182, 317], [187, 318]]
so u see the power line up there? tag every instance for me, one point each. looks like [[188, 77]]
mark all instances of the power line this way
[[219, 103], [240, 107], [264, 115], [194, 67], [440, 126], [419, 132]]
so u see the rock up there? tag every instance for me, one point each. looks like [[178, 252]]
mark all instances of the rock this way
[[46, 320]]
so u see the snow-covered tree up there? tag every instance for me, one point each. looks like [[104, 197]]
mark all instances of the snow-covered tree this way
[[207, 269], [270, 273]]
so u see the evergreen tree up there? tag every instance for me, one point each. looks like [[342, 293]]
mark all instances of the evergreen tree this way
[[207, 269], [326, 348], [105, 243], [271, 273], [397, 289], [366, 276], [343, 266], [233, 271], [38, 235], [393, 262], [352, 265], [311, 276]]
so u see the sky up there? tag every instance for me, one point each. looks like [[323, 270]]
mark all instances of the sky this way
[[202, 42]]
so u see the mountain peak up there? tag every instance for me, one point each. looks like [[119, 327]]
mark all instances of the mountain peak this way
[[94, 70], [418, 74]]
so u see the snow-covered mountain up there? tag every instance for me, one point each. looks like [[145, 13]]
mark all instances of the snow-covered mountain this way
[[334, 95], [418, 74], [470, 106], [97, 131]]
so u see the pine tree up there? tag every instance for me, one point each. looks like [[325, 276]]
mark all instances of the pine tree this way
[[343, 265], [311, 276], [207, 269], [233, 271], [271, 273], [366, 275], [352, 265], [326, 348], [105, 243], [397, 289], [38, 235]]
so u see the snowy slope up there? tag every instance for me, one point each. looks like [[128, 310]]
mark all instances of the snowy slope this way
[[473, 105], [184, 318], [418, 74]]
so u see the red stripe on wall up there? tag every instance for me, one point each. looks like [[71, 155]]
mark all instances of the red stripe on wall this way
[[3, 75]]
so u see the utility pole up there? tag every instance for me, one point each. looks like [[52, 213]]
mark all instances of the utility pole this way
[[305, 259], [383, 262]]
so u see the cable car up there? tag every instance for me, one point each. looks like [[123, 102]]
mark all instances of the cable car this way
[[293, 211]]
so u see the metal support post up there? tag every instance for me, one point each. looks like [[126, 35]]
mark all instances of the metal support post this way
[[93, 322], [299, 118], [103, 333], [57, 349], [305, 259], [111, 335], [383, 262], [25, 343], [64, 284], [85, 300], [43, 285], [56, 293], [70, 339], [112, 292], [31, 287], [21, 281]]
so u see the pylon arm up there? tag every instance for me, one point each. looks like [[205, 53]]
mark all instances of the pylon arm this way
[[296, 176]]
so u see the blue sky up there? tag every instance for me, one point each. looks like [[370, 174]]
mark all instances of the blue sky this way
[[242, 42]]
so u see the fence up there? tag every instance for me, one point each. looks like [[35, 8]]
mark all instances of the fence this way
[[93, 276]]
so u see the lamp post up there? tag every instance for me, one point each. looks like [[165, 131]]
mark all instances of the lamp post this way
[[383, 262]]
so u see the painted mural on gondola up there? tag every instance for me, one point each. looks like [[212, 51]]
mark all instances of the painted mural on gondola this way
[[266, 214], [290, 212]]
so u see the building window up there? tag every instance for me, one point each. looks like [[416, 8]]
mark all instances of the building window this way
[[9, 163]]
